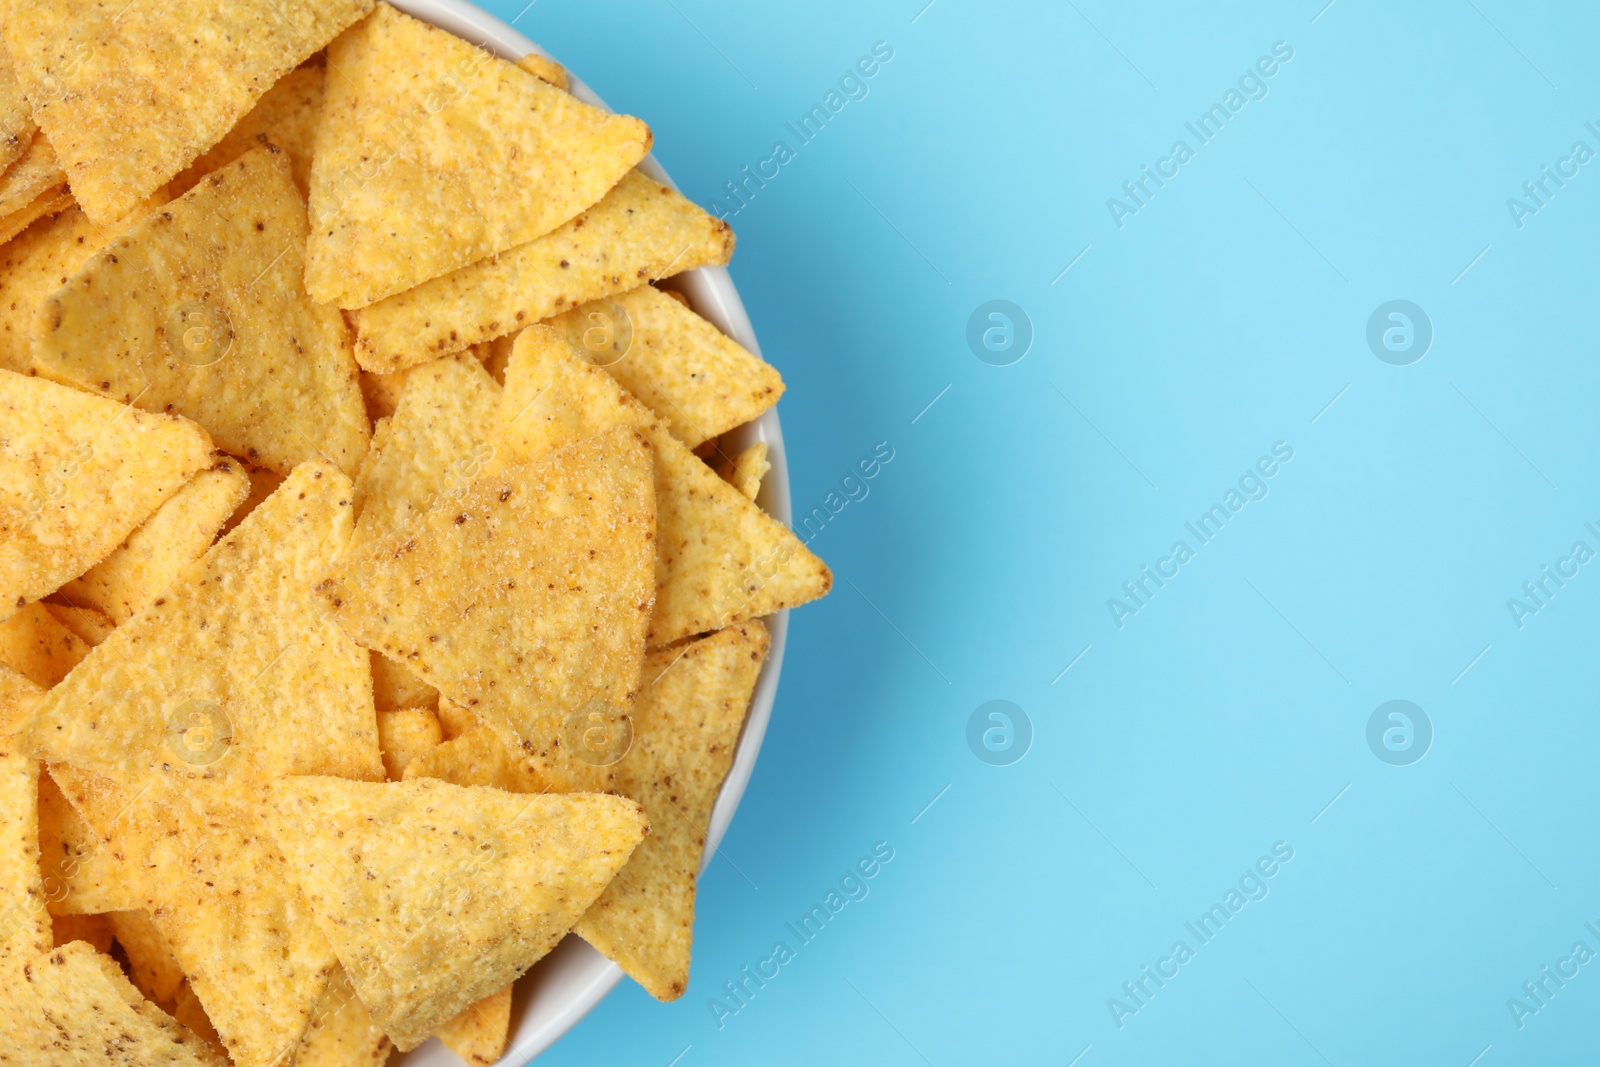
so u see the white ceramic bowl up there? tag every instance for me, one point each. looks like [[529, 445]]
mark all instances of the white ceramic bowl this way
[[565, 985]]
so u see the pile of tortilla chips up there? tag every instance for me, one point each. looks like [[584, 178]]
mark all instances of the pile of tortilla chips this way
[[378, 601]]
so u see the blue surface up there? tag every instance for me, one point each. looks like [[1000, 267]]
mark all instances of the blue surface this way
[[1229, 715]]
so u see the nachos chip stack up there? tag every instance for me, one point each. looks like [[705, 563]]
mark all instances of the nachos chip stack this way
[[380, 597]]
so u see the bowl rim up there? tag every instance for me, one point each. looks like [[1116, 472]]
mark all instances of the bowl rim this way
[[568, 983]]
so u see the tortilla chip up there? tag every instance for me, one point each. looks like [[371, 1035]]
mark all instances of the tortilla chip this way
[[286, 116], [719, 558], [94, 930], [235, 670], [39, 648], [214, 882], [478, 1035], [433, 154], [456, 720], [686, 728], [382, 391], [83, 875], [263, 483], [153, 968], [342, 1033], [88, 625], [25, 928], [77, 474], [179, 533], [46, 204], [404, 735], [432, 449], [545, 69], [746, 470], [93, 1014], [35, 174], [41, 260], [476, 757], [700, 383], [394, 687], [16, 120], [198, 309], [130, 94], [640, 231], [436, 896], [525, 599]]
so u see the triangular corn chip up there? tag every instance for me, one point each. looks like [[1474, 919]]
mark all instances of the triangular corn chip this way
[[435, 896], [263, 483], [179, 533], [286, 116], [77, 474], [90, 626], [746, 470], [699, 382], [130, 94], [41, 260], [433, 448], [342, 1033], [640, 231], [544, 68], [83, 875], [719, 558], [406, 734], [34, 174], [685, 730], [525, 598], [418, 175], [16, 119], [92, 1014], [235, 670], [154, 970], [198, 309], [478, 1035], [39, 648]]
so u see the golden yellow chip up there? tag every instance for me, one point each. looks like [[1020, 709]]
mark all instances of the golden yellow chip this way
[[39, 648], [48, 203], [77, 474], [153, 968], [432, 154], [746, 470], [524, 599], [342, 1033], [235, 670], [16, 119], [544, 68], [477, 756], [719, 558], [640, 231], [35, 174], [179, 533], [93, 1014], [395, 687], [478, 1035], [130, 95], [198, 309], [433, 447], [404, 735], [685, 730], [94, 930], [83, 875], [700, 383], [191, 1013], [90, 626], [286, 116], [41, 260], [435, 896]]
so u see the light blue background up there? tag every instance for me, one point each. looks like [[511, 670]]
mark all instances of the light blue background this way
[[1225, 716]]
